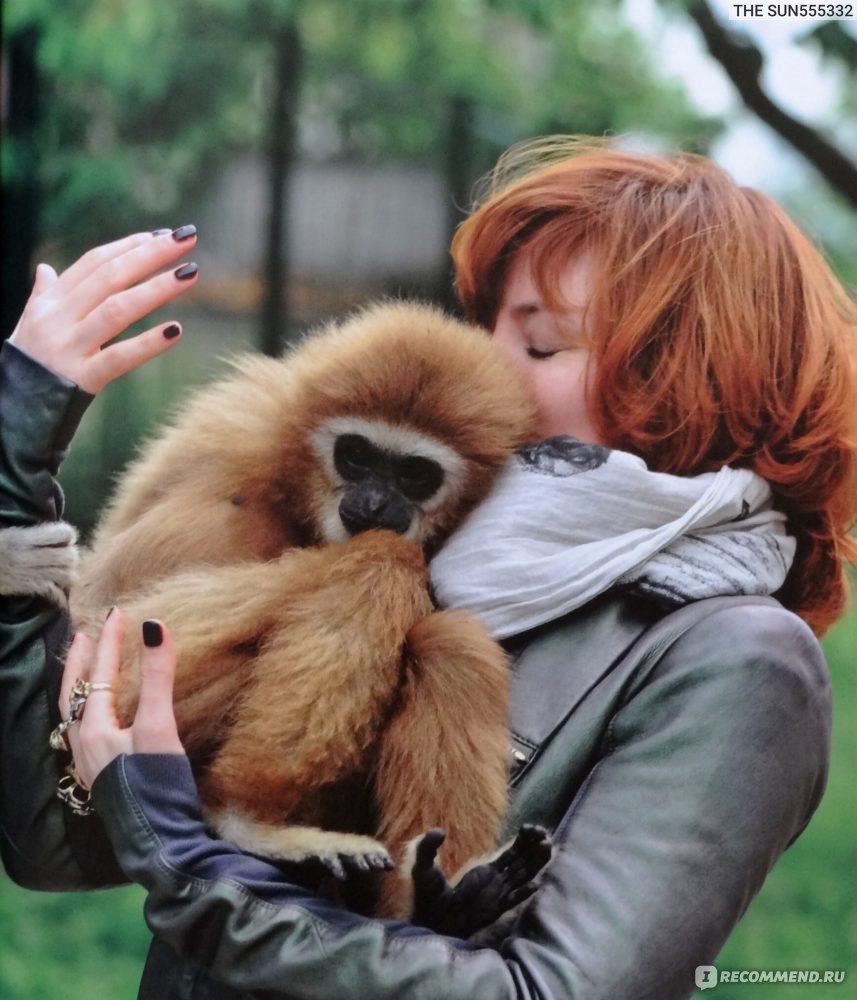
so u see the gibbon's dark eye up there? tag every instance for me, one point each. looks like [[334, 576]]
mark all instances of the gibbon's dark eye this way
[[538, 355], [418, 478], [354, 456]]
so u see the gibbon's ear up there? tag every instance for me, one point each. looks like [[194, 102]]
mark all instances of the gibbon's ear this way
[[481, 892]]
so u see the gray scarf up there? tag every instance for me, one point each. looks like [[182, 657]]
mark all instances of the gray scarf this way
[[568, 521]]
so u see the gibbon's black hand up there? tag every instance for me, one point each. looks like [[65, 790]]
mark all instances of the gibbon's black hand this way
[[485, 893]]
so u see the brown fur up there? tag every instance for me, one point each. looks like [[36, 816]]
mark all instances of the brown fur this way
[[307, 670]]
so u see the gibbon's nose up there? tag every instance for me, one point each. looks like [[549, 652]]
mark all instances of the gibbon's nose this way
[[373, 505]]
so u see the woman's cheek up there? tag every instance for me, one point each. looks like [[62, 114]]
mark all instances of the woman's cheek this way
[[561, 394]]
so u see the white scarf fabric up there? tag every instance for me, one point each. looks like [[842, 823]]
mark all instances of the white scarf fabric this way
[[567, 521]]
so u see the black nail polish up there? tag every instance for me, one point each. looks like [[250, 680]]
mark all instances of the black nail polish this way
[[185, 271], [110, 612], [172, 331], [184, 233], [161, 232], [153, 634]]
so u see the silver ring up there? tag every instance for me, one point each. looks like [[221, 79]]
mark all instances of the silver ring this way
[[77, 699], [57, 738], [73, 794]]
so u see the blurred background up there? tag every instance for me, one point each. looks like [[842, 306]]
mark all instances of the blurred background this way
[[326, 150]]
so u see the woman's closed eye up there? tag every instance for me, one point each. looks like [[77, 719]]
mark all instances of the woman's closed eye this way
[[538, 355]]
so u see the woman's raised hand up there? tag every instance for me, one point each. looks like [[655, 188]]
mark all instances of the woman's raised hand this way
[[69, 318], [98, 737]]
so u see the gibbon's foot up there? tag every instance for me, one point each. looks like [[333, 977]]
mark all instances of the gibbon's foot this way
[[485, 892]]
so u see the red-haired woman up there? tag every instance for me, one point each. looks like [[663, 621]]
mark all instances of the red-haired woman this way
[[657, 564]]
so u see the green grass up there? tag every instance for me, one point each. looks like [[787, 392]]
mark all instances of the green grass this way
[[805, 917]]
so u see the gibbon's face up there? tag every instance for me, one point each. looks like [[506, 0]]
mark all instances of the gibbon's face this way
[[551, 350], [383, 476]]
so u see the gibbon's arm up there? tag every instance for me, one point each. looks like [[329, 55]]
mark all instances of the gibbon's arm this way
[[39, 413], [301, 652], [716, 759]]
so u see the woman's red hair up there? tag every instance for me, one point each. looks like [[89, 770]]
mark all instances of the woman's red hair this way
[[721, 335]]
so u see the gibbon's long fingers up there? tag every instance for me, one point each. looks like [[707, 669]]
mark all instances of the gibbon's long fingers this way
[[337, 852], [442, 759]]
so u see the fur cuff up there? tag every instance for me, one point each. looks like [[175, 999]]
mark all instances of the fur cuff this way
[[39, 560]]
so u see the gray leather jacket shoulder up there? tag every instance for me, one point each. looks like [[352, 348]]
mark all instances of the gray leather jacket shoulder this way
[[675, 756]]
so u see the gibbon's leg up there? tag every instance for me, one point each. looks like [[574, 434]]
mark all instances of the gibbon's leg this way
[[321, 690], [217, 617], [276, 622], [442, 760]]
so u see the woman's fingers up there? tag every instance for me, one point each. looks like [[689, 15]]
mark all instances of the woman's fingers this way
[[68, 319], [100, 705], [154, 728], [96, 258], [126, 355], [46, 276], [77, 662], [99, 737], [108, 288]]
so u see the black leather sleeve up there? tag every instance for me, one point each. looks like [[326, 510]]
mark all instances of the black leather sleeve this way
[[42, 846], [713, 762]]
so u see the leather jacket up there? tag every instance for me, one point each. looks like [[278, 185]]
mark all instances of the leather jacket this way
[[674, 755]]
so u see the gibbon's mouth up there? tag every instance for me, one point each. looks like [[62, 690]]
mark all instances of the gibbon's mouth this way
[[397, 521]]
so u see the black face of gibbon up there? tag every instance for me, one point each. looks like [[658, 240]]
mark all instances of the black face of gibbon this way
[[383, 488]]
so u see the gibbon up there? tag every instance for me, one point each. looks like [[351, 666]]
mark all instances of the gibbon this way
[[280, 528]]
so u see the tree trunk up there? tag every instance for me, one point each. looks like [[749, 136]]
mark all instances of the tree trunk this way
[[21, 194], [457, 174], [282, 153]]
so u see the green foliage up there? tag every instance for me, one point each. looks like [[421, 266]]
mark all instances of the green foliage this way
[[138, 101], [141, 101], [71, 946]]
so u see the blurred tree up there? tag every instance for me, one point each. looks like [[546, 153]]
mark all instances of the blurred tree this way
[[743, 62], [142, 101], [454, 82], [282, 154], [20, 185]]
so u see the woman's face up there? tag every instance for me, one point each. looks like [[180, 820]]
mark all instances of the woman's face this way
[[550, 349]]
